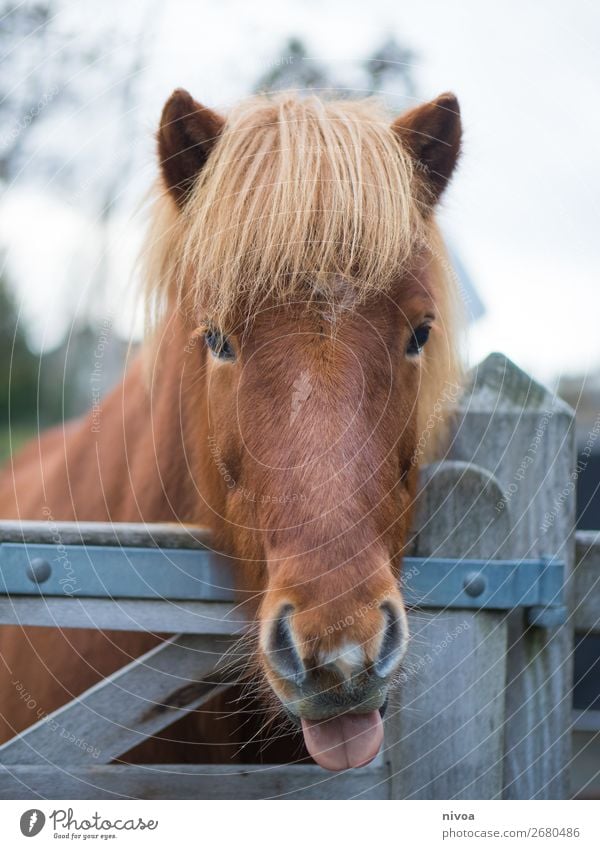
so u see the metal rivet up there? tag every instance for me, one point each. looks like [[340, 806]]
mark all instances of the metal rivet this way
[[474, 584], [39, 570]]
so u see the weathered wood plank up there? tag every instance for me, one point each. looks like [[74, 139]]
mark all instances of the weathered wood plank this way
[[450, 708], [158, 617], [120, 711], [158, 535], [525, 436], [182, 781], [586, 602], [444, 725], [586, 720]]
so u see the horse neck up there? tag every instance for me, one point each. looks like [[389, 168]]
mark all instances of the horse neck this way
[[149, 437]]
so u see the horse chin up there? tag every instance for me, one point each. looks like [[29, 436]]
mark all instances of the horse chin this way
[[295, 719], [291, 716]]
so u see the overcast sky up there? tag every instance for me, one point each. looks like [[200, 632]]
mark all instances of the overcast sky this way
[[522, 211]]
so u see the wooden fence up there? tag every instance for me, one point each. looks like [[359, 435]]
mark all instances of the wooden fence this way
[[483, 705]]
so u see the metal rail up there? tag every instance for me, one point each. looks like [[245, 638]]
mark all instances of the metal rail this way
[[177, 564]]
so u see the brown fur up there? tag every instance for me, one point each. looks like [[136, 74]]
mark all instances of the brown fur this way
[[313, 496]]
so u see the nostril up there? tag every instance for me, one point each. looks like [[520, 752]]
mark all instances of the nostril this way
[[393, 643], [281, 650]]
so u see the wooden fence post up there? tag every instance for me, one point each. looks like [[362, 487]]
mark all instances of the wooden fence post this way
[[444, 725], [524, 436]]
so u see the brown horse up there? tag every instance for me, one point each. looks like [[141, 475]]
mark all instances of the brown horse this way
[[303, 334]]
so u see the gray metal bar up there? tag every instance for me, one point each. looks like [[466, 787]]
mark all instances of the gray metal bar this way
[[488, 585], [134, 572], [98, 571]]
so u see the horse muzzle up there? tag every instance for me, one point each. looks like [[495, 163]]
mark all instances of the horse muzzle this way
[[342, 725], [338, 696]]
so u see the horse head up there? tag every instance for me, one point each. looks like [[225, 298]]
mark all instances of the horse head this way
[[301, 246]]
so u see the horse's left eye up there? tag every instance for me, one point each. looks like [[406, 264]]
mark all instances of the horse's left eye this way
[[418, 338], [219, 344]]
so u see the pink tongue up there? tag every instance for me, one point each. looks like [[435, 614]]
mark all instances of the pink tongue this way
[[346, 741]]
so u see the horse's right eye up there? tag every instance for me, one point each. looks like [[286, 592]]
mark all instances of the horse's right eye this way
[[219, 345], [418, 339]]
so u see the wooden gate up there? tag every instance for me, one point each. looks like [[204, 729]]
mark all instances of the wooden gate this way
[[483, 705]]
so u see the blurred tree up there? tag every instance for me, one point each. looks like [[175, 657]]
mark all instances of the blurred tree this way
[[69, 114], [39, 390], [391, 67], [20, 106], [389, 70], [293, 69], [68, 102], [75, 80], [18, 375]]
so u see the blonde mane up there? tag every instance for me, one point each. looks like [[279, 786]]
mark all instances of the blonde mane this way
[[297, 195]]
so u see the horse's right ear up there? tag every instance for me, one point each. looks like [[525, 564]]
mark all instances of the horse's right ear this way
[[186, 136]]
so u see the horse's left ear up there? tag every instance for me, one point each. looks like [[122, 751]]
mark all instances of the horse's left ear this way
[[432, 135], [186, 136]]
